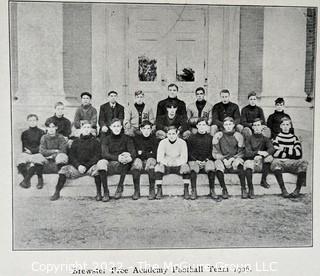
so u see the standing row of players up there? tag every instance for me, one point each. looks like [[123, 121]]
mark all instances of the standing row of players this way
[[221, 140]]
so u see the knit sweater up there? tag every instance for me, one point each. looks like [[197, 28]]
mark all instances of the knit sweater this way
[[88, 113], [131, 117], [161, 108], [113, 145], [30, 139], [146, 147], [255, 143], [274, 121], [48, 144], [163, 122], [249, 113], [85, 151], [220, 111], [227, 145], [287, 145], [62, 123], [172, 154], [200, 147], [193, 113]]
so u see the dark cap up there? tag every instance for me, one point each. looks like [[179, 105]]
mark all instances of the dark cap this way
[[279, 100], [112, 92], [86, 94]]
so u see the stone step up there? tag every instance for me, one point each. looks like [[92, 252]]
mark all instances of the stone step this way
[[173, 186]]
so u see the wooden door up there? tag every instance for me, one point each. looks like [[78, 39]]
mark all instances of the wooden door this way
[[166, 44]]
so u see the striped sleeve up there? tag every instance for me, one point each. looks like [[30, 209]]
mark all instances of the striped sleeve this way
[[296, 152]]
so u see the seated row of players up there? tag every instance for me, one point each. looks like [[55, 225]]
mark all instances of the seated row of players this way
[[118, 153]]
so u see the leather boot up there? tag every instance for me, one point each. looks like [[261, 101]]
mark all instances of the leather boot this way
[[136, 184], [97, 181], [300, 181], [278, 175], [39, 170], [220, 177], [152, 193], [265, 172], [61, 181], [193, 186], [22, 169], [244, 193], [119, 190], [248, 174], [104, 180], [25, 183], [212, 194], [159, 191], [186, 191]]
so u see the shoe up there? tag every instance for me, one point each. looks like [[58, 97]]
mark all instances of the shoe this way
[[264, 184], [136, 195], [25, 184], [55, 196], [244, 194], [119, 192], [98, 197], [295, 193], [193, 195], [251, 194], [285, 193], [106, 197], [225, 194], [186, 192], [159, 192], [40, 182], [152, 194]]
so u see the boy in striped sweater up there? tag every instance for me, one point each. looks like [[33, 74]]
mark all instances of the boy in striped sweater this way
[[172, 157], [288, 158]]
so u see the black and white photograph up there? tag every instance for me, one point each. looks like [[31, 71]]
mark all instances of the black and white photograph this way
[[161, 125]]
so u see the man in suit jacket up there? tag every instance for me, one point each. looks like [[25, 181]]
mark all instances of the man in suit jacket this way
[[110, 110]]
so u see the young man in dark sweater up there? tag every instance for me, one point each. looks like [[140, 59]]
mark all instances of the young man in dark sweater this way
[[118, 152], [225, 109], [146, 147], [172, 98], [53, 146], [200, 157], [288, 158], [249, 113], [258, 155], [62, 123], [171, 118], [199, 109], [85, 112], [30, 161], [109, 111], [274, 120], [228, 151], [84, 153]]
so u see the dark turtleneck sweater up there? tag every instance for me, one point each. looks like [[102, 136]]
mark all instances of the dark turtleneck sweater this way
[[200, 147], [85, 151], [200, 105], [147, 145], [62, 123], [139, 108], [249, 113], [161, 108], [113, 145], [255, 143], [85, 112], [30, 139], [274, 121], [220, 111]]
